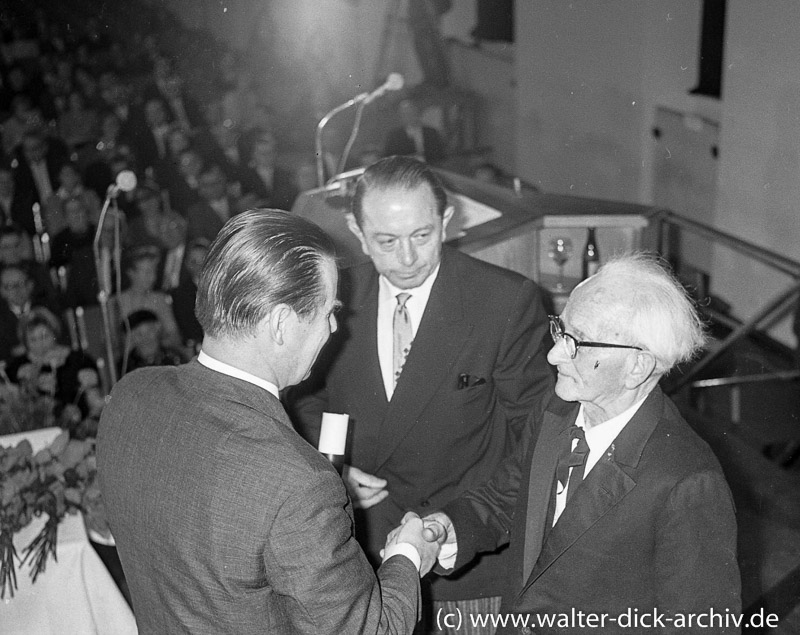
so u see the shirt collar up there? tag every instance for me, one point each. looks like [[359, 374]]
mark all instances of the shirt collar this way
[[420, 293], [601, 436], [226, 369]]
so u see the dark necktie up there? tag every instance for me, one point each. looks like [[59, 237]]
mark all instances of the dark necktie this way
[[575, 459], [401, 329]]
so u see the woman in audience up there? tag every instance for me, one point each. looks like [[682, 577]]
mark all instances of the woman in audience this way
[[70, 185], [142, 273], [143, 345], [52, 369]]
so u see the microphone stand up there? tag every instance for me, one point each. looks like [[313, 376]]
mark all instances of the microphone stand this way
[[104, 294], [324, 122], [353, 135]]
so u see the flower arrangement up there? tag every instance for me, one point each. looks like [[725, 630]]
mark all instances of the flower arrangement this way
[[58, 480]]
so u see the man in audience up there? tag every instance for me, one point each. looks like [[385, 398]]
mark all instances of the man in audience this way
[[272, 185], [184, 295], [39, 159], [227, 521], [16, 249], [613, 505], [413, 138], [207, 217], [15, 205], [436, 417], [16, 301]]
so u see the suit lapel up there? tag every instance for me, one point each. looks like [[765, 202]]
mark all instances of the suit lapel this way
[[543, 469], [366, 374], [606, 485], [442, 334]]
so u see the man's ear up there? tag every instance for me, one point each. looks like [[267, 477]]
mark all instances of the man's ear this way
[[642, 368], [352, 225], [446, 217], [277, 321]]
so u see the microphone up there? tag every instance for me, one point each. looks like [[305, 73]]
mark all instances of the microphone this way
[[333, 438], [393, 82], [125, 182]]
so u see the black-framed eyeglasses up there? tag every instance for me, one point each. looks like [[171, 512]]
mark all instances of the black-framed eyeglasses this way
[[558, 333]]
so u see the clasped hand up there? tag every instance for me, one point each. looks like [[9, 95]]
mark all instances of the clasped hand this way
[[427, 535]]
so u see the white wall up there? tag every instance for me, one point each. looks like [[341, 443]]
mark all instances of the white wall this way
[[759, 181], [590, 75]]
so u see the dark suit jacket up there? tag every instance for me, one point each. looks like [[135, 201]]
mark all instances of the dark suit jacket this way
[[57, 155], [398, 142], [20, 211], [204, 222], [281, 195], [652, 526], [434, 440], [226, 521]]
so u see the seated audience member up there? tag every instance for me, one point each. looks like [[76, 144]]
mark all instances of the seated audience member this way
[[16, 292], [218, 204], [142, 346], [15, 204], [24, 117], [184, 184], [49, 368], [78, 125], [16, 249], [185, 294], [182, 108], [73, 256], [621, 504], [38, 161], [412, 138], [271, 184], [141, 271], [150, 144], [70, 185], [160, 228]]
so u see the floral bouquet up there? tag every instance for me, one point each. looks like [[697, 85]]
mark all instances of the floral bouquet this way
[[58, 480]]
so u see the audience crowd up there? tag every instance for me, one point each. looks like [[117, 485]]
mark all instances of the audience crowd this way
[[83, 97]]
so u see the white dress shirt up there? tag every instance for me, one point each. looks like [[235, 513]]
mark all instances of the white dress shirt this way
[[387, 303], [226, 369], [599, 438]]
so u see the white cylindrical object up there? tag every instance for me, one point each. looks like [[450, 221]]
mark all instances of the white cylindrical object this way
[[333, 433]]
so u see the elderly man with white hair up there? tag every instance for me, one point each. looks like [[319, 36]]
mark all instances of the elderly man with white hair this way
[[618, 513]]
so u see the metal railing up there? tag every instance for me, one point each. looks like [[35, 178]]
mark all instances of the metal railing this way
[[669, 222]]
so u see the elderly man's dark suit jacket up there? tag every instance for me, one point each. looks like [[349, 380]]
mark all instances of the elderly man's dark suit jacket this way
[[435, 440], [652, 526], [226, 521]]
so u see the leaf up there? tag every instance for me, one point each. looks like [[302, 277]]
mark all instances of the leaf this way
[[60, 443]]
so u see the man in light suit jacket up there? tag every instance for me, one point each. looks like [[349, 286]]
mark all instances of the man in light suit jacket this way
[[635, 521], [473, 372], [225, 519]]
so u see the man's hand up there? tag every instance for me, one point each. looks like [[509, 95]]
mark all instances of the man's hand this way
[[365, 489], [439, 528], [411, 531]]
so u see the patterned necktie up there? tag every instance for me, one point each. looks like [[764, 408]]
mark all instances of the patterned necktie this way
[[575, 459], [401, 330]]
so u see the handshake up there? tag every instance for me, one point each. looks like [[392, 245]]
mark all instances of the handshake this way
[[427, 535]]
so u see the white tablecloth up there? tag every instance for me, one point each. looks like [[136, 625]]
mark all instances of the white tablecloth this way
[[75, 595]]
